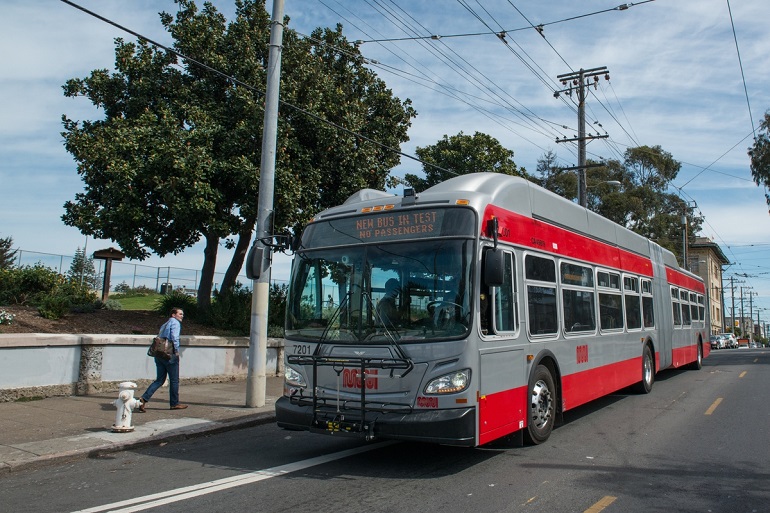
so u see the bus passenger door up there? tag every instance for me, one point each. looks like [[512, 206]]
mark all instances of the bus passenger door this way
[[502, 366]]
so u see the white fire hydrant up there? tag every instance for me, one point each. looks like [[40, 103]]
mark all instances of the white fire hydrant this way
[[125, 404]]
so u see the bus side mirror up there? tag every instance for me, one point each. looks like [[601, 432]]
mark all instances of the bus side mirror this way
[[254, 262], [494, 267]]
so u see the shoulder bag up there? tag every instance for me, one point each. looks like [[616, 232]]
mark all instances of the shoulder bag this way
[[161, 347]]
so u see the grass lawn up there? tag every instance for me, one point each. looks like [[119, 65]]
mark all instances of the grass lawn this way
[[147, 302]]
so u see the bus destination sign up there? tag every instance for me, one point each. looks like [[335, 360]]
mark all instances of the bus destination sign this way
[[390, 226], [396, 225]]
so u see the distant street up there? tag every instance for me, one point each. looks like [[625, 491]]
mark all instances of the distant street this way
[[697, 443]]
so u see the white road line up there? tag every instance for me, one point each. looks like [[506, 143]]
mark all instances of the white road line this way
[[188, 492]]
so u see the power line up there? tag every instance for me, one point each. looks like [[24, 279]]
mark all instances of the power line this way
[[740, 63], [539, 27], [251, 88]]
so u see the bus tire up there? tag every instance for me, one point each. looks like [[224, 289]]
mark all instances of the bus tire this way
[[541, 406], [698, 363], [648, 371]]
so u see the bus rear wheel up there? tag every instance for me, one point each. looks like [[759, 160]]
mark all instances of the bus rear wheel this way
[[648, 372], [698, 363], [541, 406]]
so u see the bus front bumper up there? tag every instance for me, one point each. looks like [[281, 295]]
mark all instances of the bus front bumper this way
[[448, 427]]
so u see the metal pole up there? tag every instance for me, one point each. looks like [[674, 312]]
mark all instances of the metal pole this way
[[256, 380]]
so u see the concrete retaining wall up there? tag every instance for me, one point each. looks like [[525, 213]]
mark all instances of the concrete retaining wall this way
[[43, 365]]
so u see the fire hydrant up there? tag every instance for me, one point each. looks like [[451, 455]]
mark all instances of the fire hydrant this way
[[125, 404]]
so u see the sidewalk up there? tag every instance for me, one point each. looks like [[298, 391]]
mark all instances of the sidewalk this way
[[60, 428]]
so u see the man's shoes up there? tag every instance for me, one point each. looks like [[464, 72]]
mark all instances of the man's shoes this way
[[179, 407], [142, 402]]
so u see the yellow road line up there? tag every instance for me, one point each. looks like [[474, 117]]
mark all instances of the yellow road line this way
[[713, 406], [742, 374], [603, 503]]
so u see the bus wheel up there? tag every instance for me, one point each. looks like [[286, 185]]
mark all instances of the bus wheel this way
[[648, 372], [698, 363], [541, 406]]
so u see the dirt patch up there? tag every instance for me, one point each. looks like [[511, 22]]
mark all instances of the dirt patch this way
[[114, 322]]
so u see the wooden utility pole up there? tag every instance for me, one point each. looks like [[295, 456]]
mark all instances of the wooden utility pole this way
[[578, 81]]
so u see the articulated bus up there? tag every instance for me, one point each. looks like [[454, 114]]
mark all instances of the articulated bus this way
[[506, 306]]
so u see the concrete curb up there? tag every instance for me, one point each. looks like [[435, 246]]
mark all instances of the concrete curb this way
[[174, 435]]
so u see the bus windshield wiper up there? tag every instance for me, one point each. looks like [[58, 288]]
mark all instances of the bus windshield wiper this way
[[392, 337]]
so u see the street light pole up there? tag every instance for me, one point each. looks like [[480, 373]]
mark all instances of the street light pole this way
[[256, 377]]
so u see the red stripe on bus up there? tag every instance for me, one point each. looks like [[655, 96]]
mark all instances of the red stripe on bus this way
[[549, 238], [680, 279], [502, 413], [582, 387], [685, 355]]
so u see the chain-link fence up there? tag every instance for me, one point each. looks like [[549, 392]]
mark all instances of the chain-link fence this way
[[160, 279]]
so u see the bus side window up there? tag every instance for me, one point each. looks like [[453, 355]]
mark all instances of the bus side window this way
[[541, 295], [505, 299], [498, 305], [677, 312]]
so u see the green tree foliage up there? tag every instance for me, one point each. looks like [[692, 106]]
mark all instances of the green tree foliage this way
[[7, 255], [176, 157], [462, 154], [41, 286], [641, 204], [549, 175], [82, 270], [760, 156]]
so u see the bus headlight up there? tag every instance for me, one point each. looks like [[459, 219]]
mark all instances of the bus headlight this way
[[294, 378], [452, 383]]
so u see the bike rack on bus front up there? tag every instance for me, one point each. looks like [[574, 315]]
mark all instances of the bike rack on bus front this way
[[332, 409]]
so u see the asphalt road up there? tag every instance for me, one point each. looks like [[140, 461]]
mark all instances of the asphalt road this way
[[697, 443]]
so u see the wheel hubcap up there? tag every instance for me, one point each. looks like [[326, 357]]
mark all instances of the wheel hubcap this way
[[647, 370], [542, 404]]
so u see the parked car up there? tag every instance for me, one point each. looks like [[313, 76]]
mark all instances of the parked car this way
[[731, 342], [717, 342]]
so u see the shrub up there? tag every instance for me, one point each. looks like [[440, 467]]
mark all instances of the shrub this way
[[54, 306], [178, 299], [27, 285], [231, 310], [112, 304], [6, 318], [122, 288], [276, 316]]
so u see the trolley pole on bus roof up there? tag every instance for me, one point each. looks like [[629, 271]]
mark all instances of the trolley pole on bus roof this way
[[256, 379], [578, 81]]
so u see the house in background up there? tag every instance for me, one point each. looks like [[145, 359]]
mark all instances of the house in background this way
[[706, 259]]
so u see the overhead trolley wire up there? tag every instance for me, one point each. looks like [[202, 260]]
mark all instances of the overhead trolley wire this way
[[621, 7], [463, 68]]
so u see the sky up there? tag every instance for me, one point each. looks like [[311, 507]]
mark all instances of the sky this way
[[677, 79]]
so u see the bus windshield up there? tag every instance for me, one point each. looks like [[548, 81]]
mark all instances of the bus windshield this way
[[418, 290]]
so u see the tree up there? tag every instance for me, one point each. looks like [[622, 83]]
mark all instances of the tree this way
[[462, 154], [642, 203], [760, 156], [7, 255], [176, 157], [550, 176], [82, 270]]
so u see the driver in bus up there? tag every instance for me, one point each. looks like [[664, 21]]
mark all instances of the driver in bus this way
[[387, 309]]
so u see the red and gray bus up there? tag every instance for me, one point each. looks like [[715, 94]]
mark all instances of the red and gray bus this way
[[508, 305]]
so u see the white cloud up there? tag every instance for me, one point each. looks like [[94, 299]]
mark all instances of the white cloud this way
[[674, 68]]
